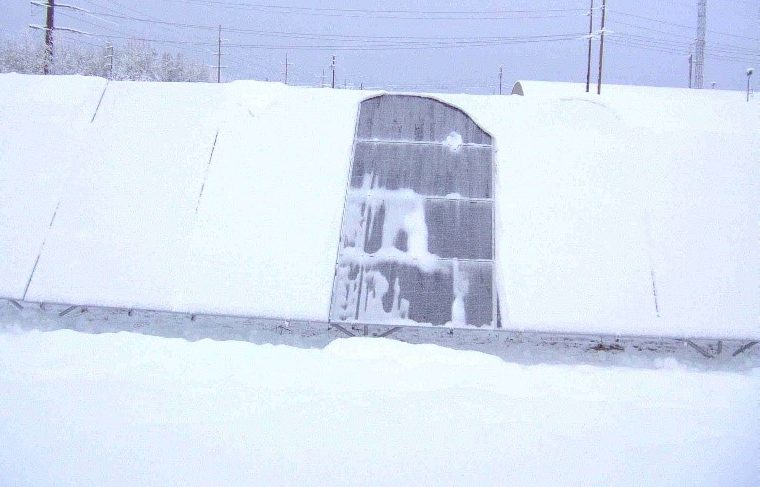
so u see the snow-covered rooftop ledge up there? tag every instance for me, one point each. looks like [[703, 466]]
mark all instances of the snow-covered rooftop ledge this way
[[227, 199]]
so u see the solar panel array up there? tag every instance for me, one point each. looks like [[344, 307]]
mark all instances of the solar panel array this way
[[417, 241]]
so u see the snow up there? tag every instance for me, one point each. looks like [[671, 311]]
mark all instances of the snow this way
[[461, 287], [43, 136], [123, 224], [403, 215], [126, 409], [596, 198], [453, 141], [596, 194]]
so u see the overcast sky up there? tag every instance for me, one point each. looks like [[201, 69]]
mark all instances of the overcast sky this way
[[424, 45]]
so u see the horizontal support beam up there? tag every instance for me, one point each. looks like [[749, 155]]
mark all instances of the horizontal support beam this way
[[591, 337]]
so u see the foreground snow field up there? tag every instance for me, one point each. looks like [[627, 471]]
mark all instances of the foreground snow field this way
[[128, 409]]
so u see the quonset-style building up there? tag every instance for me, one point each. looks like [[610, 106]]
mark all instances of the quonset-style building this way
[[633, 214]]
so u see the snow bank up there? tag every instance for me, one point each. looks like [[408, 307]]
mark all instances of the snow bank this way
[[126, 409], [228, 199]]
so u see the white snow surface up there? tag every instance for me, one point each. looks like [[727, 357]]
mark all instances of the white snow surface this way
[[43, 134], [595, 197], [127, 409]]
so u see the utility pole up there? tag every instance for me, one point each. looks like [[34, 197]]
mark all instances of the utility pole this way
[[749, 75], [219, 56], [286, 67], [322, 83], [49, 26], [109, 60], [501, 74], [601, 49], [590, 36], [699, 62], [333, 71], [50, 29], [691, 67]]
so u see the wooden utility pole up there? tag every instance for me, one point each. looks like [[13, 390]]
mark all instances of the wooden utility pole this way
[[601, 49], [49, 26], [333, 72], [219, 56], [691, 67], [590, 35], [109, 60], [501, 75]]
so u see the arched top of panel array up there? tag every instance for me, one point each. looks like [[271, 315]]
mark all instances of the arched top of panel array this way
[[416, 119]]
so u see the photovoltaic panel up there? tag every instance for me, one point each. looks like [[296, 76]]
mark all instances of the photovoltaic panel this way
[[417, 236]]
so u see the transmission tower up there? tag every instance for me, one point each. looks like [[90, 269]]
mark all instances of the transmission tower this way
[[699, 45]]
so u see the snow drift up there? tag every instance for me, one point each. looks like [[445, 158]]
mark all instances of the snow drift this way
[[126, 409], [633, 212]]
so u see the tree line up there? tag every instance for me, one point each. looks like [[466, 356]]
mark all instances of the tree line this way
[[134, 60]]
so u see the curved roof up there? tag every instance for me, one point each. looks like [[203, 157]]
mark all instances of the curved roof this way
[[228, 199]]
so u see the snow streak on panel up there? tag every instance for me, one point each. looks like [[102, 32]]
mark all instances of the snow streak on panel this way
[[417, 238]]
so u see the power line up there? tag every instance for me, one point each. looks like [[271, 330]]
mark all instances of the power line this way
[[353, 42], [666, 48], [690, 27], [408, 40], [413, 46], [376, 11], [263, 32], [391, 13], [684, 46], [371, 47]]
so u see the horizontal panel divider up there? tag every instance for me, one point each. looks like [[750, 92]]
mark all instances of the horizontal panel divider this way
[[420, 142]]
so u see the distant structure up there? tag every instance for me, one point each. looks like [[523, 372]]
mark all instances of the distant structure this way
[[699, 61]]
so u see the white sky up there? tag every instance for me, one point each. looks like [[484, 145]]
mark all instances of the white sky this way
[[649, 44]]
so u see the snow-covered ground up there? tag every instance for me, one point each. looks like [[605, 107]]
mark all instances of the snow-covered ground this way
[[228, 199], [127, 409]]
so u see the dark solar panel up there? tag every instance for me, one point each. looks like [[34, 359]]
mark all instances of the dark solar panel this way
[[417, 237]]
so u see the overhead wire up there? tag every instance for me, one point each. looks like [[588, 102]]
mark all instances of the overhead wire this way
[[614, 12], [676, 43], [397, 14]]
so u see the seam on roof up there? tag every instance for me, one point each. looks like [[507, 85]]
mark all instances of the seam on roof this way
[[102, 94], [39, 254], [205, 175]]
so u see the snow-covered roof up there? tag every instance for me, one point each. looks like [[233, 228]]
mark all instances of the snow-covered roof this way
[[112, 196]]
